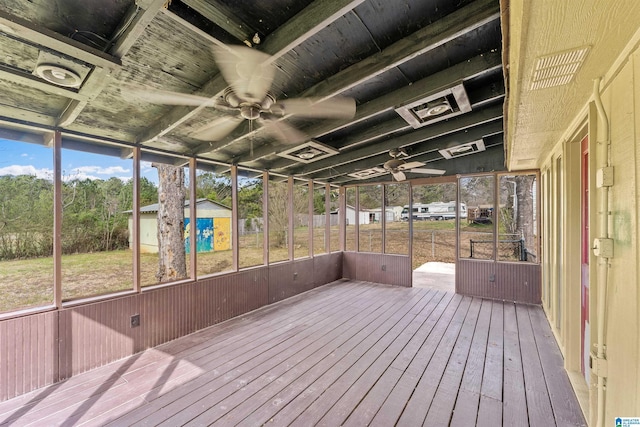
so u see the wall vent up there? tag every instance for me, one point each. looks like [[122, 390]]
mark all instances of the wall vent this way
[[308, 152], [435, 107], [557, 69], [367, 173], [462, 149]]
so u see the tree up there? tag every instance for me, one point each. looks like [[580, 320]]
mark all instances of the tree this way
[[250, 194], [278, 213], [214, 187], [318, 202], [148, 192], [524, 214], [370, 196], [171, 196]]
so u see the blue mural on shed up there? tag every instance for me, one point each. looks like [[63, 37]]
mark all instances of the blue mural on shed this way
[[204, 234]]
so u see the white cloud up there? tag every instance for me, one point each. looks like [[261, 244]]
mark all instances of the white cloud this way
[[16, 170], [24, 155], [99, 170]]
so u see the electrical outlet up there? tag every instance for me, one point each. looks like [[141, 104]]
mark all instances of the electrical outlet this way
[[135, 320], [384, 267], [295, 276], [492, 277]]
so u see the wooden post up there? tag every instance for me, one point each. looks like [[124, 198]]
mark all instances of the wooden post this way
[[310, 217], [137, 287], [57, 219], [235, 239], [290, 240], [193, 247], [265, 218], [327, 218]]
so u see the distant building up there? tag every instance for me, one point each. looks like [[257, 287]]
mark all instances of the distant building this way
[[351, 215], [375, 215], [213, 227]]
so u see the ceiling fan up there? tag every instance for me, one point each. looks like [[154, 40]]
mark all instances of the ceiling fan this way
[[250, 74], [397, 167]]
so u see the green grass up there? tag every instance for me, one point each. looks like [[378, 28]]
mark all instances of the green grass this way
[[28, 283]]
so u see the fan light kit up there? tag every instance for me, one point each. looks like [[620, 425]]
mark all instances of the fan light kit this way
[[58, 75], [462, 149], [308, 152], [308, 155], [435, 107]]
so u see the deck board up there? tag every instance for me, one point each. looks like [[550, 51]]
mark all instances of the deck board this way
[[349, 353]]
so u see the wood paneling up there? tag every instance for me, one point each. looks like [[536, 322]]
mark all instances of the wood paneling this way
[[519, 282], [291, 278], [327, 268], [44, 348], [28, 353], [378, 268], [350, 353]]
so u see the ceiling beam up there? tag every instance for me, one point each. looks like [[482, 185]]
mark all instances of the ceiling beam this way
[[490, 160], [424, 135], [224, 18], [434, 83], [41, 36], [426, 149], [428, 38], [130, 29], [92, 87], [134, 25], [446, 29], [397, 125], [304, 25]]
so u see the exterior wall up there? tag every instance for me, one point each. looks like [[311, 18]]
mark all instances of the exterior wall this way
[[351, 216], [148, 232], [44, 348], [561, 275]]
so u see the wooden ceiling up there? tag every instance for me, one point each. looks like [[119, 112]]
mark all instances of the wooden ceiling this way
[[386, 54]]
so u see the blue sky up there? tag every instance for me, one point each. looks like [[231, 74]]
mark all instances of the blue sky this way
[[21, 158]]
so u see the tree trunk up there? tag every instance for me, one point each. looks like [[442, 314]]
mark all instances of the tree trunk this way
[[172, 258]]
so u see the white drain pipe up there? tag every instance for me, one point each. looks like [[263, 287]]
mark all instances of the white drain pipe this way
[[603, 246]]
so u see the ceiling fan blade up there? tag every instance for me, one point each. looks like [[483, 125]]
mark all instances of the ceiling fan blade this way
[[248, 71], [410, 165], [337, 107], [284, 132], [399, 176], [217, 129], [428, 171], [156, 96]]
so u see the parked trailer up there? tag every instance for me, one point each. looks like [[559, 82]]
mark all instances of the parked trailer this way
[[433, 211]]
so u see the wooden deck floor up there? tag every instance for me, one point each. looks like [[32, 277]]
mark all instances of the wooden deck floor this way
[[348, 353]]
